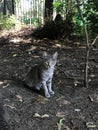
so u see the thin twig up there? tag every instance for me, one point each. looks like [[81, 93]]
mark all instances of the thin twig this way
[[68, 77], [62, 71], [94, 40], [87, 46]]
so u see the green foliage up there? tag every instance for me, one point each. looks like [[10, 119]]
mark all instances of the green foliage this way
[[91, 16], [90, 13], [29, 20], [78, 24], [59, 6], [9, 22], [17, 2], [67, 9], [89, 9], [60, 123]]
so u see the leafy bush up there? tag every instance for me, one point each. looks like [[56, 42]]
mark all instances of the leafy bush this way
[[10, 22], [89, 8], [56, 29], [90, 14]]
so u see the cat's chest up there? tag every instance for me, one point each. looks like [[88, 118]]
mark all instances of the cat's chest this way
[[48, 73]]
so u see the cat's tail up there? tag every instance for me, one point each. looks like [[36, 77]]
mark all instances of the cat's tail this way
[[15, 81]]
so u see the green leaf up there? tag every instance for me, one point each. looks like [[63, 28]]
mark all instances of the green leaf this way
[[60, 123]]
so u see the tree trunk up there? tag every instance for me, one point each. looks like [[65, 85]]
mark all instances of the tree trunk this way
[[4, 7], [48, 9], [13, 12]]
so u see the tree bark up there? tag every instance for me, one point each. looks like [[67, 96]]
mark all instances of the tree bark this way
[[13, 7], [48, 9], [4, 7], [87, 46]]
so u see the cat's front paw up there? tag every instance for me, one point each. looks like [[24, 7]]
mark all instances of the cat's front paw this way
[[47, 95], [52, 92]]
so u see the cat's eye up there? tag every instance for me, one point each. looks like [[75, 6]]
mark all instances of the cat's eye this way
[[46, 63]]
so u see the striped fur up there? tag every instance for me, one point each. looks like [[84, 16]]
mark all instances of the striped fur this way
[[40, 76]]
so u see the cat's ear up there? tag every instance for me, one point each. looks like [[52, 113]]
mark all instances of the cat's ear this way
[[45, 54], [55, 55]]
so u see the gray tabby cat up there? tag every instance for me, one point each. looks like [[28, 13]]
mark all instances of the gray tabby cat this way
[[41, 75]]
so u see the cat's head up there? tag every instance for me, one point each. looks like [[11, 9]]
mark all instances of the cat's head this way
[[50, 60]]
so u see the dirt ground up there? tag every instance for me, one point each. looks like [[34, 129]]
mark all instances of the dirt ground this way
[[73, 107]]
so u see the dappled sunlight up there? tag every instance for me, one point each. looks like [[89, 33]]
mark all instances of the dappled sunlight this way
[[15, 40], [20, 40], [64, 28], [20, 53]]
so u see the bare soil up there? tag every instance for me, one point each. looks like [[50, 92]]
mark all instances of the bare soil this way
[[73, 107]]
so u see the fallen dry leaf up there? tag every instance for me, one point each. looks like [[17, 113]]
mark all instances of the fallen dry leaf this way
[[93, 97], [42, 99], [19, 98], [91, 125], [37, 115], [45, 115], [1, 82], [14, 55], [60, 114]]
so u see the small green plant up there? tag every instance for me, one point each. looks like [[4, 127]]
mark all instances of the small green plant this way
[[60, 123], [31, 20], [10, 22]]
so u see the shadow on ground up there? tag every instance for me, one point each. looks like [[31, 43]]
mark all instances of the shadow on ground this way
[[73, 107]]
